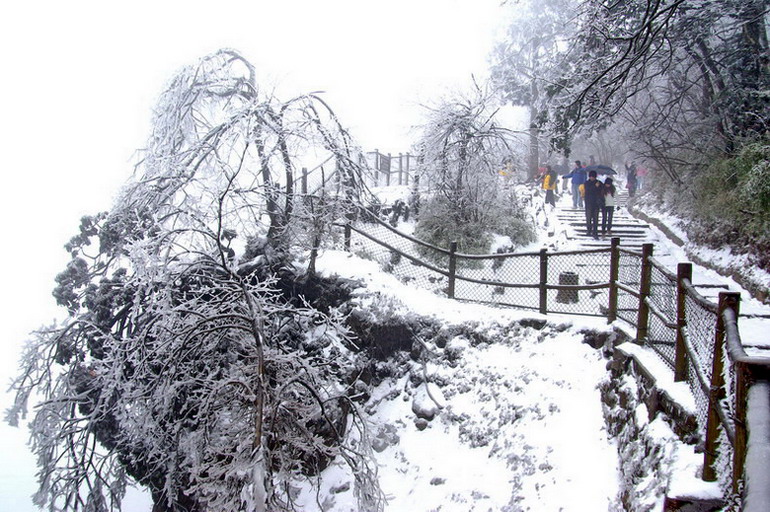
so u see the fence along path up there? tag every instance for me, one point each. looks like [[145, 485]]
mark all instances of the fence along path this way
[[698, 339]]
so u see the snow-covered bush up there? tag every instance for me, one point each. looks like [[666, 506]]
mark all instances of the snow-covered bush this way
[[461, 151]]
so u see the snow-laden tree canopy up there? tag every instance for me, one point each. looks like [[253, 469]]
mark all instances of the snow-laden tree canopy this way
[[188, 361]]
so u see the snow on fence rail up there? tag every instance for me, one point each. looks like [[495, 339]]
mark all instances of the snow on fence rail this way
[[697, 339]]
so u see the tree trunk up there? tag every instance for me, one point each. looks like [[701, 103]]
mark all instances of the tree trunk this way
[[534, 146]]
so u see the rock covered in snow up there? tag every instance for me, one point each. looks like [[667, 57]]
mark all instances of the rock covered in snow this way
[[428, 401], [386, 436]]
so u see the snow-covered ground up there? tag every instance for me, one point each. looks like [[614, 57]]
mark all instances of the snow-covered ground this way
[[517, 419]]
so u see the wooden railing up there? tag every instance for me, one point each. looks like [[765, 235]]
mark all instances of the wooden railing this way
[[699, 340]]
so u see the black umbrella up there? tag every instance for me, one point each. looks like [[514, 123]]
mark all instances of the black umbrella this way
[[601, 169]]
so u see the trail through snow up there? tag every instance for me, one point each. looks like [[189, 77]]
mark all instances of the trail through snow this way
[[521, 426]]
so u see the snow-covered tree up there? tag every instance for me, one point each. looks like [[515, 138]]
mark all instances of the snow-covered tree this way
[[526, 62], [189, 361], [462, 149], [706, 60]]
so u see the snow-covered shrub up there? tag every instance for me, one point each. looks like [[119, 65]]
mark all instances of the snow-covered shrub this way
[[439, 225]]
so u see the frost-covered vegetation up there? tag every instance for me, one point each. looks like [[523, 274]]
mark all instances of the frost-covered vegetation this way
[[462, 151], [727, 203], [198, 357]]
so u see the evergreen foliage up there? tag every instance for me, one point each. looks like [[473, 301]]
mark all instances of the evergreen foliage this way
[[732, 202]]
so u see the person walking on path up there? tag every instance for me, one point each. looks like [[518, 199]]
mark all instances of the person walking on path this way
[[608, 210], [578, 175], [550, 185], [631, 179], [594, 199]]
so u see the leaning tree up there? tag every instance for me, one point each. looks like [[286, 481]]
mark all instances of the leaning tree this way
[[191, 360]]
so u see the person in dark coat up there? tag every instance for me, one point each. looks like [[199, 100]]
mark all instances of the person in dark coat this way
[[608, 210], [631, 179], [594, 200]]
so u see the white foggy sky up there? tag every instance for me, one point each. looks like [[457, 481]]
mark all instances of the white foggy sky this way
[[80, 78]]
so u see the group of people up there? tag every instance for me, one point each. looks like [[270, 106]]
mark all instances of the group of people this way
[[588, 192], [599, 197]]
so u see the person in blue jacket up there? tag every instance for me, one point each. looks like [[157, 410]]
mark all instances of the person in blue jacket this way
[[578, 175]]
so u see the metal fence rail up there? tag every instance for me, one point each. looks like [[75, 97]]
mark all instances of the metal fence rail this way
[[697, 339]]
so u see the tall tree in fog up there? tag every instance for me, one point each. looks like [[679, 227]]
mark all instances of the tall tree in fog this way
[[528, 60], [462, 148]]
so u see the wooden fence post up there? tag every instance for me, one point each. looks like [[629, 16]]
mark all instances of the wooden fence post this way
[[452, 269], [642, 319], [717, 392], [400, 168], [347, 236], [406, 176], [612, 310], [544, 281], [683, 271], [741, 378], [377, 167], [387, 175]]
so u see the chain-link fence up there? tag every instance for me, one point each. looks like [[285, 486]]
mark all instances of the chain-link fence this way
[[629, 281], [504, 279], [700, 318], [662, 301], [579, 268], [569, 282], [401, 255]]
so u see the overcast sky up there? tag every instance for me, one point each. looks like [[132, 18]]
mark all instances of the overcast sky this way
[[80, 78]]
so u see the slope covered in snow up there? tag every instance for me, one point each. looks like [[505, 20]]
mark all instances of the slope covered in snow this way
[[500, 412]]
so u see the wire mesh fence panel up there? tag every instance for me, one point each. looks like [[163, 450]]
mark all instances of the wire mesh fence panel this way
[[661, 337], [588, 268], [406, 268], [724, 462], [521, 269], [629, 275], [701, 329]]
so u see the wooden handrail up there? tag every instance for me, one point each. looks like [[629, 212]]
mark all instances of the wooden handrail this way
[[658, 313], [405, 255]]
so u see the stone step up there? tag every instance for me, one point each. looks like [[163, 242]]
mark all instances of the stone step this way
[[578, 233]]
